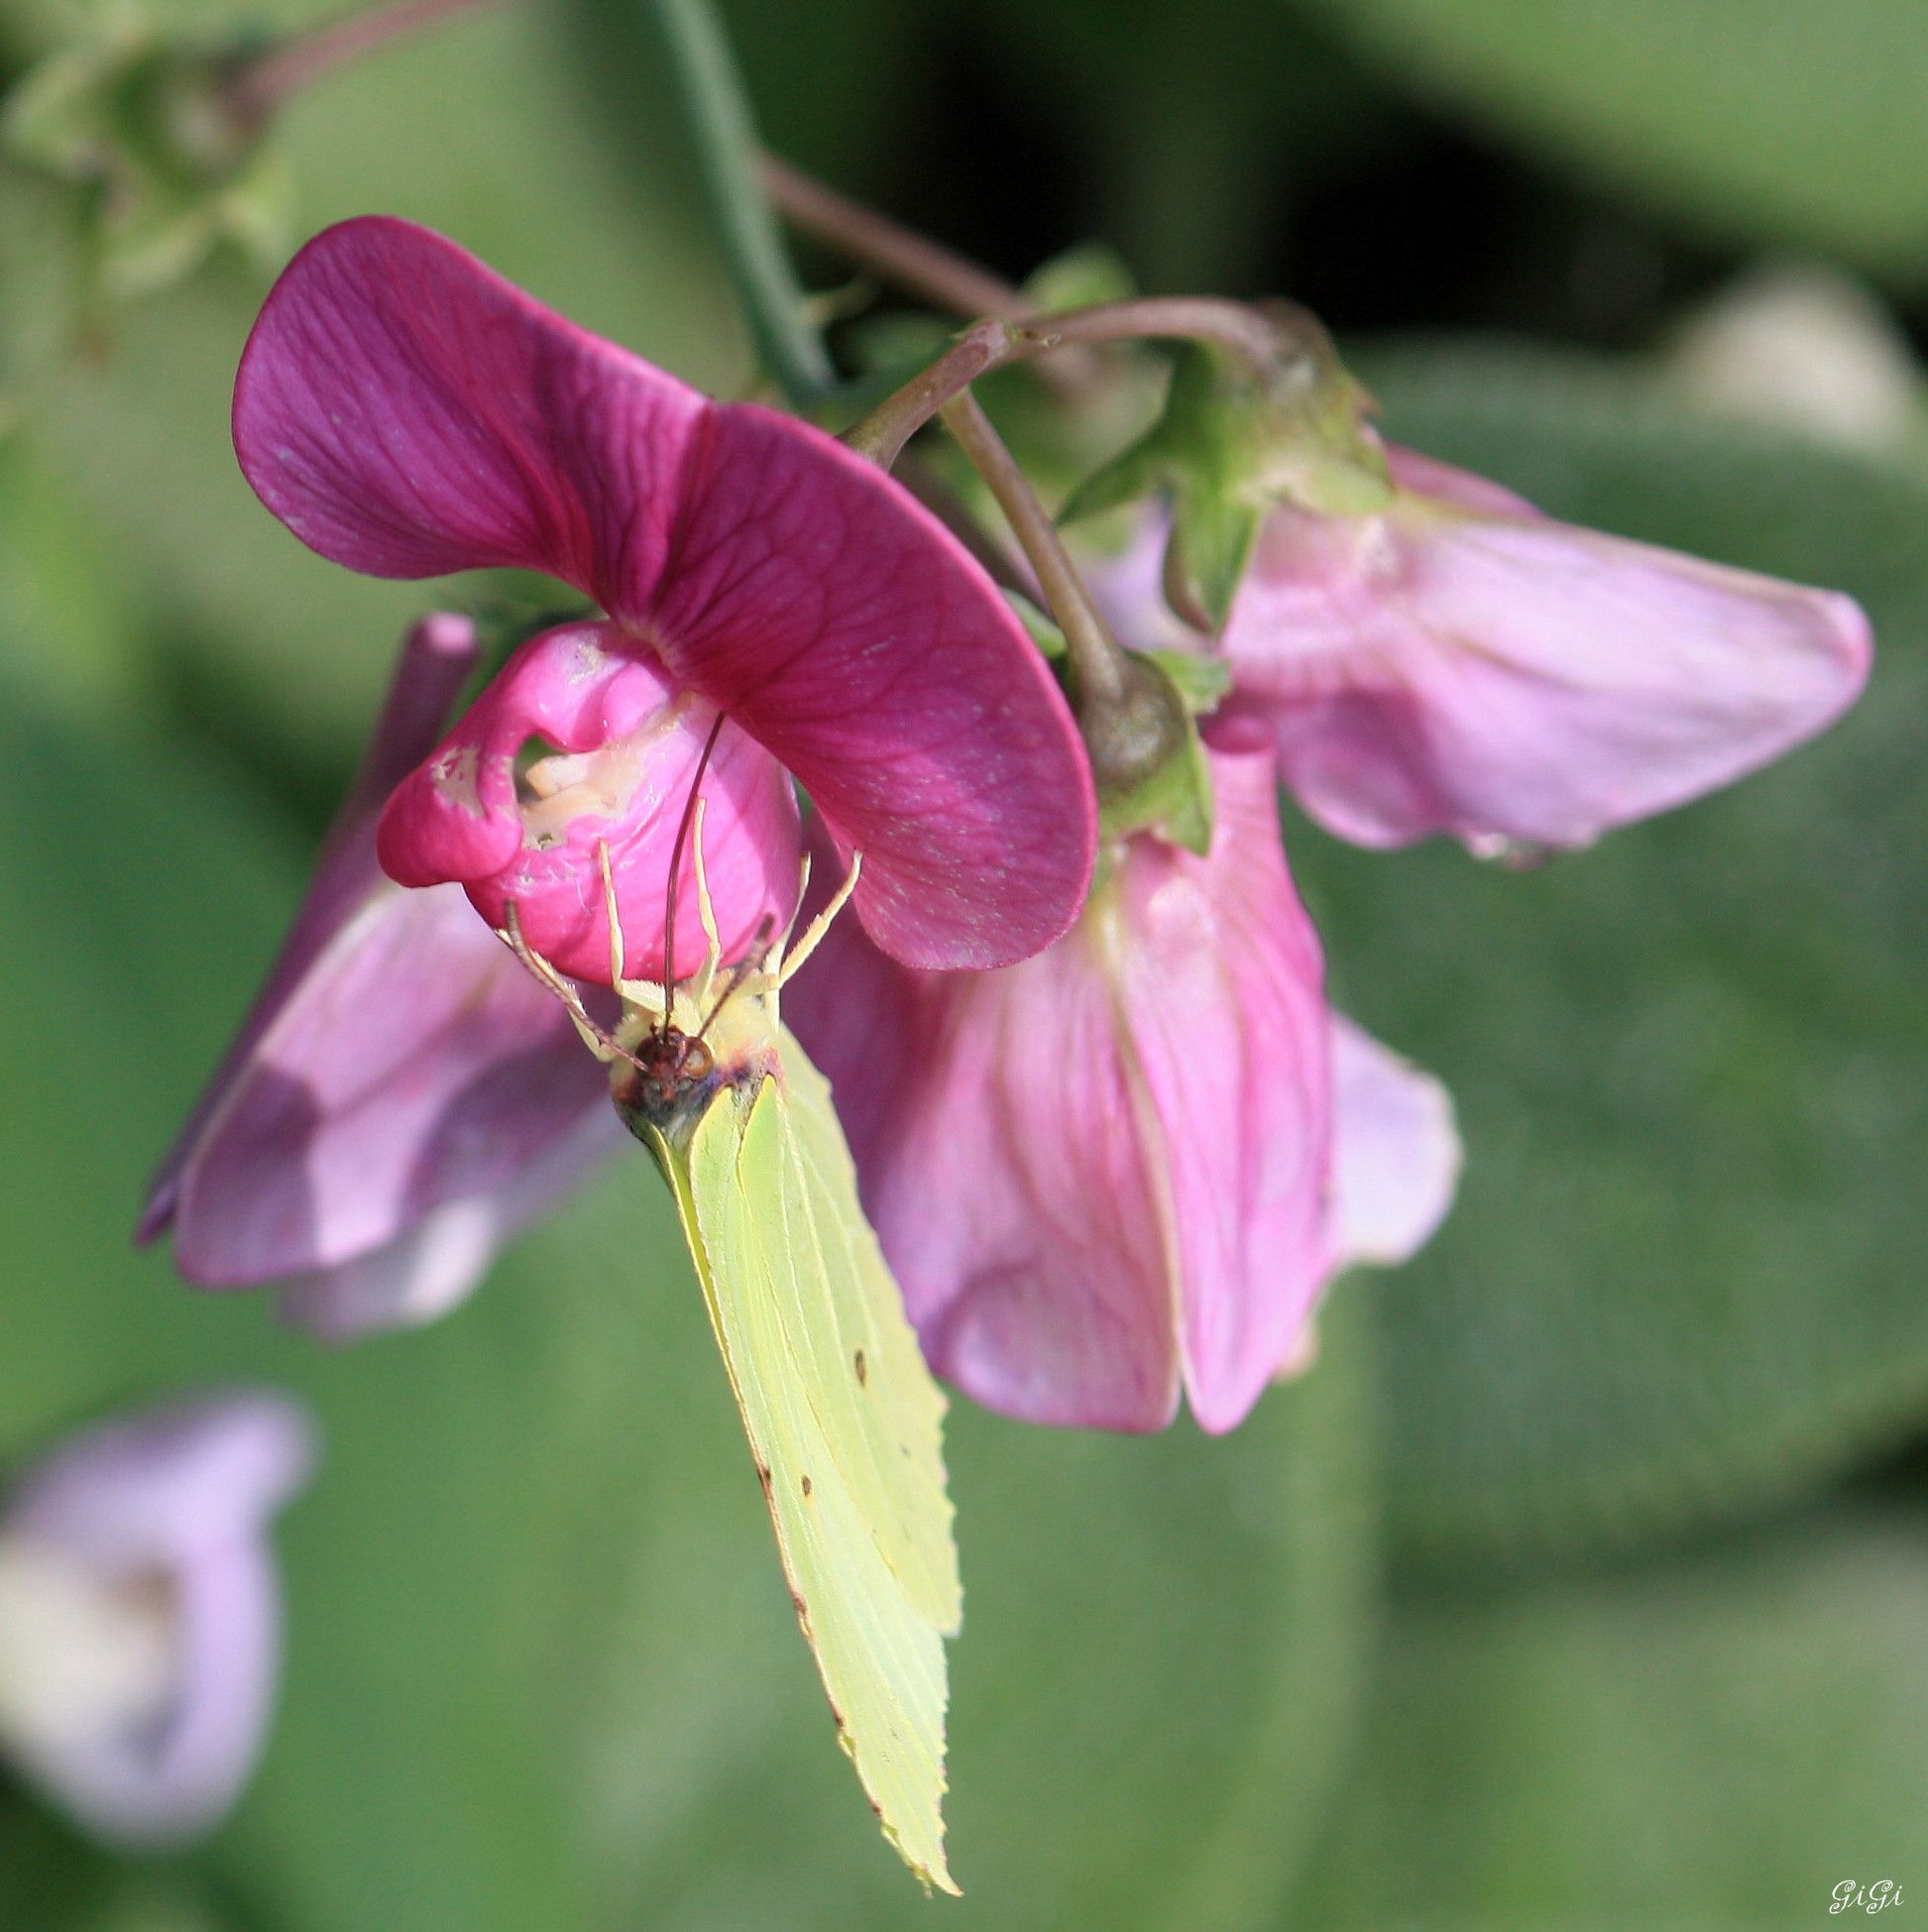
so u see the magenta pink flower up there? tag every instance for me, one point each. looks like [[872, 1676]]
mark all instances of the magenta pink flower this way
[[408, 412], [402, 1095], [1457, 662], [1104, 1174], [140, 1612]]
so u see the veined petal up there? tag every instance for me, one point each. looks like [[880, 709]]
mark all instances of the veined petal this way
[[999, 1140], [1461, 664], [835, 618], [434, 1265], [631, 741], [435, 658], [1107, 1166], [408, 412], [1395, 1151], [416, 1064], [1220, 986]]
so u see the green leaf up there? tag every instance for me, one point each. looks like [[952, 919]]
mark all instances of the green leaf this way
[[1707, 1745], [1683, 1277], [1779, 123]]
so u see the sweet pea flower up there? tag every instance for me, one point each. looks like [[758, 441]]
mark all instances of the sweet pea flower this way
[[139, 1613], [406, 411], [1459, 662], [402, 1095], [1107, 1174]]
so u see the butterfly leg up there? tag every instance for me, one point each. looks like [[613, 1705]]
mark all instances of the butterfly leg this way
[[793, 962]]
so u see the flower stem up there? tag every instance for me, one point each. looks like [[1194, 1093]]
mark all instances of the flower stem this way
[[263, 83], [1098, 664], [1259, 341], [713, 97], [911, 262]]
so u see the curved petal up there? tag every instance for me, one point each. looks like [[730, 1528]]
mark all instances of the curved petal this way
[[1110, 1163], [1395, 1151], [435, 659], [633, 744], [843, 628], [159, 1782], [416, 1064], [1221, 984], [408, 412], [997, 1133], [1461, 664], [436, 1265], [163, 1519], [147, 1490]]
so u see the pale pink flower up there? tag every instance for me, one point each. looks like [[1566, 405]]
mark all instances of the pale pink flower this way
[[141, 1612]]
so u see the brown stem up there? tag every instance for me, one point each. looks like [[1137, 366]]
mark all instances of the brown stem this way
[[912, 262], [1243, 331], [263, 83], [1098, 664]]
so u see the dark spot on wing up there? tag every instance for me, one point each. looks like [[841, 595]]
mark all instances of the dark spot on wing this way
[[806, 1485], [863, 1369]]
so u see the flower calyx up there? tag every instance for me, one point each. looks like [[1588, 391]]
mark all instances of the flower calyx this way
[[1236, 437]]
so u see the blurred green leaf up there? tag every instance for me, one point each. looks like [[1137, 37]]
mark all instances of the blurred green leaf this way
[[1750, 119], [1707, 1745], [1685, 1274]]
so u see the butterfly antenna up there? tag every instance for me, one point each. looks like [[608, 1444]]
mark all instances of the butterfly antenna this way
[[676, 871], [813, 936]]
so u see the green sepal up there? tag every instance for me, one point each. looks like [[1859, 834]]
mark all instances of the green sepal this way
[[1203, 682], [1172, 794], [1229, 445]]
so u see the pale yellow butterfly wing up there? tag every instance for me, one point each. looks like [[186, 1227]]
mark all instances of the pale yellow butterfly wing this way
[[843, 1419]]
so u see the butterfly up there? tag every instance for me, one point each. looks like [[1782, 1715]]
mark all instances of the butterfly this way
[[844, 1418]]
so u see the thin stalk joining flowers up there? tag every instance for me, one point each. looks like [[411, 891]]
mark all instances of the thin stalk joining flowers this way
[[263, 84], [1098, 663]]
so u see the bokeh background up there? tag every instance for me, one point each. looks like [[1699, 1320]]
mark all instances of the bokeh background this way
[[1584, 1584]]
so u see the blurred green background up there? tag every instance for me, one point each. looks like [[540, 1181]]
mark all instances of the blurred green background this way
[[1584, 1584]]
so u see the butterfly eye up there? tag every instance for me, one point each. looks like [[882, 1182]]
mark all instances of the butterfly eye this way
[[698, 1061]]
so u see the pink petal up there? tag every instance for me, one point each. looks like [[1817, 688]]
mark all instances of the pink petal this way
[[1395, 1153], [181, 1496], [408, 412], [1000, 1144], [1220, 983], [435, 659], [434, 1265], [154, 1488], [841, 625], [1108, 1167], [418, 1063], [1461, 664], [465, 815]]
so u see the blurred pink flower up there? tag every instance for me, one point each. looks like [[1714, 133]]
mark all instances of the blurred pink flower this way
[[1107, 1174], [408, 412], [140, 1612], [1459, 662], [402, 1095]]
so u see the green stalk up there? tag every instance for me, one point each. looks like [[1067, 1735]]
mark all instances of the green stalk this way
[[713, 97]]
